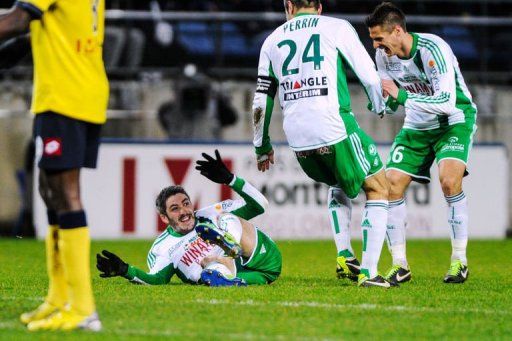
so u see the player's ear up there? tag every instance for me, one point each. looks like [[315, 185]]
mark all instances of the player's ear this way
[[319, 9], [164, 219]]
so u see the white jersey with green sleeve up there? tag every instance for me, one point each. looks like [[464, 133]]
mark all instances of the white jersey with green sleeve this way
[[174, 253], [432, 88], [307, 59]]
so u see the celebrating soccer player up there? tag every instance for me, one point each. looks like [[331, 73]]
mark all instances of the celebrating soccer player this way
[[307, 59], [69, 102], [439, 125], [215, 245]]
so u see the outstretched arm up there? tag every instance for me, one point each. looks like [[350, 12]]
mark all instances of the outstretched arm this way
[[253, 203], [110, 265]]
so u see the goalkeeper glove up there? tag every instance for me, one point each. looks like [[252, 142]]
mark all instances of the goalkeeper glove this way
[[110, 265], [214, 169]]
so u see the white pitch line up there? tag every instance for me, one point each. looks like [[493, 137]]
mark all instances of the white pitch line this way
[[363, 306], [15, 298], [320, 305], [7, 324]]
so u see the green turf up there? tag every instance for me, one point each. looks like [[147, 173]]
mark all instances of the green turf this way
[[306, 302]]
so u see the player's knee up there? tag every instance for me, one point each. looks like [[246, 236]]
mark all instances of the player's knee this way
[[71, 199], [379, 191], [451, 185]]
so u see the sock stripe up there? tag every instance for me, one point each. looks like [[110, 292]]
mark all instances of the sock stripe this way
[[454, 198], [376, 205], [395, 203]]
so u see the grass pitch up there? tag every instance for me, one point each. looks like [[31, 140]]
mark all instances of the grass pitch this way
[[306, 302]]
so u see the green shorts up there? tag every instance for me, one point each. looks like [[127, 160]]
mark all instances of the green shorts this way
[[264, 265], [345, 164], [414, 151]]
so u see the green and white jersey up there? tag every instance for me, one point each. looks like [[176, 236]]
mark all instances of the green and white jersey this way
[[307, 58], [174, 253], [433, 90]]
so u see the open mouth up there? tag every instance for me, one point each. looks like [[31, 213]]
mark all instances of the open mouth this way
[[185, 218]]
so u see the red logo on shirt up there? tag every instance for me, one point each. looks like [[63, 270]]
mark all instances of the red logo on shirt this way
[[52, 146]]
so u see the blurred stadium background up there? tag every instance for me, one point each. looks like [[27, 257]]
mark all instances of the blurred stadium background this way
[[186, 70]]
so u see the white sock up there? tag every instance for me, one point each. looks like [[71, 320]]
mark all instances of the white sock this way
[[340, 214], [458, 222], [395, 232], [375, 217]]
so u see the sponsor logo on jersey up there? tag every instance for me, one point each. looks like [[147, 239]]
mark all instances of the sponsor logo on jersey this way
[[292, 96], [195, 251], [409, 79], [52, 146], [304, 88], [453, 145], [419, 88], [393, 66], [299, 84]]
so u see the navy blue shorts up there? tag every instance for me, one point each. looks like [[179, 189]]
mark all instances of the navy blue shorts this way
[[64, 143]]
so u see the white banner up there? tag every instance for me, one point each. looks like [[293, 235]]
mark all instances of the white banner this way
[[119, 195]]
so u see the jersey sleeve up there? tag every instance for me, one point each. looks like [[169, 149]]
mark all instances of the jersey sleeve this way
[[35, 8], [161, 269], [355, 55], [263, 102], [440, 73], [252, 204], [391, 103], [139, 276]]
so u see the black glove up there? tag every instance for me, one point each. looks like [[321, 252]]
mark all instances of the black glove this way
[[214, 169], [110, 265]]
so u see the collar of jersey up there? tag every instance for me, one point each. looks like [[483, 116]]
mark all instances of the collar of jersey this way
[[414, 47], [173, 233], [301, 14]]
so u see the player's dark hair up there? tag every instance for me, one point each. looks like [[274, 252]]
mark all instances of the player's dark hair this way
[[386, 15], [165, 194], [304, 3]]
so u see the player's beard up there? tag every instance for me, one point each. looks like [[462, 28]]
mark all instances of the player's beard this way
[[184, 224]]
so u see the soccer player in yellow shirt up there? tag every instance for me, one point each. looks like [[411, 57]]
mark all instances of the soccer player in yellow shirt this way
[[69, 102]]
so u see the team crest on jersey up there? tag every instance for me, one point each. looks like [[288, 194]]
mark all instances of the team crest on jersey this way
[[372, 149]]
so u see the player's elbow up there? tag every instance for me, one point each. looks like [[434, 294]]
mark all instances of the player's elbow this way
[[15, 23], [263, 205]]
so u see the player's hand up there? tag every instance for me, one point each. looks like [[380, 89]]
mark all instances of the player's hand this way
[[264, 160], [110, 265], [389, 86], [214, 169]]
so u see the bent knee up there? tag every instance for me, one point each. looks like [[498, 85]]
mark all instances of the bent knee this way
[[451, 185]]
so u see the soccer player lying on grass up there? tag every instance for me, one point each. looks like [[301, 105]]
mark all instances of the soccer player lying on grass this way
[[215, 245]]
